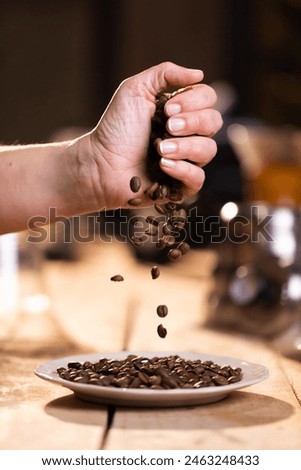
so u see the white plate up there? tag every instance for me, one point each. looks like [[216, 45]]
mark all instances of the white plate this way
[[252, 374]]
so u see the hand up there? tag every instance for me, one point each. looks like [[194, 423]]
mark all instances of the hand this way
[[119, 142]]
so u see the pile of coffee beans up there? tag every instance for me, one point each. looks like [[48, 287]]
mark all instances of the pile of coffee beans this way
[[156, 373]]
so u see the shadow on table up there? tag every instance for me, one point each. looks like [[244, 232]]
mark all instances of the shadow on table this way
[[237, 410], [71, 409]]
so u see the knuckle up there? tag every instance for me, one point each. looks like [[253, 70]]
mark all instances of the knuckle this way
[[209, 94], [215, 121], [212, 148]]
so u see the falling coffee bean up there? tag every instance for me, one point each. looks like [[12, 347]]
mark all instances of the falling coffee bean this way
[[183, 247], [155, 272], [135, 184], [117, 278], [162, 332], [174, 254], [162, 311]]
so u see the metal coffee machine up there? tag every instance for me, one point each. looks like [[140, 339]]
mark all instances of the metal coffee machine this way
[[257, 280]]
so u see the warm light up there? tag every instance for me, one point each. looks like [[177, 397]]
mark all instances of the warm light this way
[[229, 211], [294, 287], [238, 134], [283, 243], [35, 304]]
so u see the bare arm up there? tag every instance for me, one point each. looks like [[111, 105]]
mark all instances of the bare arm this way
[[36, 177]]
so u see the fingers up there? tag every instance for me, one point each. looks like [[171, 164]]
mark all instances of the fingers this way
[[196, 149], [204, 122], [192, 176]]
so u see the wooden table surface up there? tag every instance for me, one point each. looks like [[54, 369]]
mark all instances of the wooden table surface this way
[[89, 313]]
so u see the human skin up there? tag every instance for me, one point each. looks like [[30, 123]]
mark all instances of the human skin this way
[[92, 173]]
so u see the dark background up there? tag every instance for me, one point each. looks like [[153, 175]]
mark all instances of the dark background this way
[[61, 61]]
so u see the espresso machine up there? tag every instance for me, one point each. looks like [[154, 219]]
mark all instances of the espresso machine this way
[[257, 279]]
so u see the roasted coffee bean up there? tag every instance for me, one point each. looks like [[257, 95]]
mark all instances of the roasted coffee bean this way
[[176, 197], [167, 229], [155, 272], [170, 206], [151, 230], [174, 254], [151, 189], [150, 219], [117, 278], [183, 247], [219, 380], [74, 365], [158, 193], [162, 311], [160, 209], [160, 243], [169, 240], [162, 332], [136, 201], [138, 241], [135, 184]]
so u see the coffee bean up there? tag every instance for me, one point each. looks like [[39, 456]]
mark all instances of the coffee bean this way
[[219, 380], [155, 272], [169, 240], [174, 254], [162, 311], [136, 201], [160, 209], [74, 365], [160, 243], [117, 278], [183, 247], [150, 219], [167, 229], [162, 332], [135, 184], [151, 230], [151, 189], [138, 241]]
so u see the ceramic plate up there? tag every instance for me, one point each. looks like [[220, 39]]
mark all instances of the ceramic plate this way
[[252, 374]]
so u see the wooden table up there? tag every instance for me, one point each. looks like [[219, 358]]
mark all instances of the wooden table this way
[[93, 314]]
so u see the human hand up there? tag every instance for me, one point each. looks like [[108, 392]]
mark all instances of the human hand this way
[[119, 142]]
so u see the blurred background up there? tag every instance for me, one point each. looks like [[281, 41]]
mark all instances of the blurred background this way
[[62, 60]]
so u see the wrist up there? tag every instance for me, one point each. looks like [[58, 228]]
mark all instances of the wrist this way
[[86, 162]]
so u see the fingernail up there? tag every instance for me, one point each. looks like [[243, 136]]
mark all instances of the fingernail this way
[[168, 163], [173, 108], [196, 70], [176, 124], [167, 147]]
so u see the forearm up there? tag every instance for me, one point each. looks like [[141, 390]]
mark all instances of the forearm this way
[[35, 178]]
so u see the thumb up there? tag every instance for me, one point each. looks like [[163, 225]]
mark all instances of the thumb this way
[[166, 75]]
